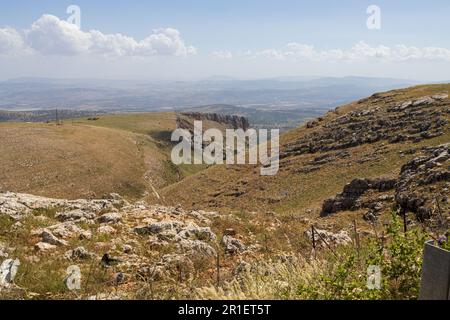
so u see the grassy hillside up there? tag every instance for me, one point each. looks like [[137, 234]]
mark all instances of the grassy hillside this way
[[73, 161], [127, 154]]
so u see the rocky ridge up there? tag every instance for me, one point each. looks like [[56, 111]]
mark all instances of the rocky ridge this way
[[412, 120], [230, 121]]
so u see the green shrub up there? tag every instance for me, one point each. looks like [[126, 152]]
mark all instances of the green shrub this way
[[342, 275]]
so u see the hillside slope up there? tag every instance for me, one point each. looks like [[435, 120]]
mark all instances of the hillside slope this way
[[371, 138], [74, 161]]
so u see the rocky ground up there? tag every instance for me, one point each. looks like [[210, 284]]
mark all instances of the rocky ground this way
[[145, 242], [128, 251]]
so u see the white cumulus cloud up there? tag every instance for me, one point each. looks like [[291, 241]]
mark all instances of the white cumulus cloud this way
[[11, 42], [50, 35]]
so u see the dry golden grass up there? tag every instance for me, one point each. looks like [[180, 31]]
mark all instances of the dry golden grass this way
[[73, 161], [127, 154]]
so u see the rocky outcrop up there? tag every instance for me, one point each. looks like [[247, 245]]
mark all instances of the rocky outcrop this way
[[422, 188], [185, 236], [230, 121], [18, 205], [420, 182], [348, 199], [412, 120]]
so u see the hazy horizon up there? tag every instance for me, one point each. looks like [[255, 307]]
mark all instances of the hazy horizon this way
[[216, 77]]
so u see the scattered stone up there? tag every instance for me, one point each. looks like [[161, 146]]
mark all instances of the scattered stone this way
[[152, 273], [157, 244], [193, 231], [75, 215], [112, 217], [48, 237], [8, 271], [68, 230], [119, 278], [3, 251], [197, 247], [127, 248], [44, 247], [331, 238], [79, 253], [158, 227], [106, 230], [232, 245]]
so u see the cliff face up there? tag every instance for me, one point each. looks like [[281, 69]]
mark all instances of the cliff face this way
[[230, 121]]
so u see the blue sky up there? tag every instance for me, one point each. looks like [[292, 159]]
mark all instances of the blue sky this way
[[234, 27]]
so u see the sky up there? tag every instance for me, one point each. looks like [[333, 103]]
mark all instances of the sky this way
[[246, 39]]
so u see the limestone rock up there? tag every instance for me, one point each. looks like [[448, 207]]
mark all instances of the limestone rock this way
[[48, 237], [348, 199], [197, 247], [193, 231], [8, 271], [106, 230], [44, 247], [78, 253], [75, 215], [331, 238], [112, 217], [158, 227], [232, 245]]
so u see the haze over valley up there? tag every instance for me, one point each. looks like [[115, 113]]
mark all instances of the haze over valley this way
[[281, 102]]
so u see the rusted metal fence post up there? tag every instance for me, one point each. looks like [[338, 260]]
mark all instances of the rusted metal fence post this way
[[313, 240], [405, 222]]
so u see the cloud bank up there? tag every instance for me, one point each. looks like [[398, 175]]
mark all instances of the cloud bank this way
[[51, 36], [361, 51]]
